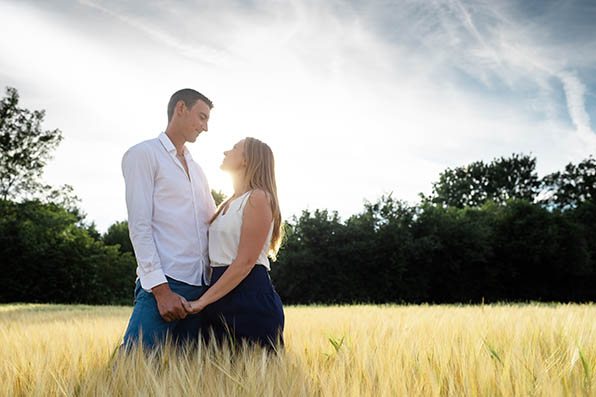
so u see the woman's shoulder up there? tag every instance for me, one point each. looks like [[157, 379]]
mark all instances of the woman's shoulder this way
[[259, 199], [259, 196]]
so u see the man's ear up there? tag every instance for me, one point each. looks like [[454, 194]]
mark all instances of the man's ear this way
[[180, 107]]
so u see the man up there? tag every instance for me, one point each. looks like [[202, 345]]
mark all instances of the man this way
[[169, 205]]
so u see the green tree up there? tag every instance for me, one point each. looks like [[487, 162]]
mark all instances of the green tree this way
[[308, 266], [575, 185], [542, 254], [117, 234], [25, 148], [47, 252], [363, 259], [218, 196], [452, 252], [474, 184], [47, 257]]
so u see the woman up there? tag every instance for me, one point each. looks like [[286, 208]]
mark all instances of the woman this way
[[245, 229]]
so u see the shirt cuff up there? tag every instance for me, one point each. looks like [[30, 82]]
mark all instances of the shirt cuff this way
[[152, 279]]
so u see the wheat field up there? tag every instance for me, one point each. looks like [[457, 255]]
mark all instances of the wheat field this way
[[357, 350]]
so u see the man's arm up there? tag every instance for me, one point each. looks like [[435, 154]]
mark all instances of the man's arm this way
[[138, 171]]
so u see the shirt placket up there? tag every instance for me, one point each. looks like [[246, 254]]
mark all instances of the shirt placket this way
[[195, 209], [190, 179]]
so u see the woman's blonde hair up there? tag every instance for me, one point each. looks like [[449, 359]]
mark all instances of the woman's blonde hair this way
[[260, 174]]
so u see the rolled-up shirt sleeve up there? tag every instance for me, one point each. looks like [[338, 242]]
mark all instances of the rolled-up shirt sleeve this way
[[139, 170]]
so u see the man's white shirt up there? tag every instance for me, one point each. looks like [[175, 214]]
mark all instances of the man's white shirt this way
[[168, 213]]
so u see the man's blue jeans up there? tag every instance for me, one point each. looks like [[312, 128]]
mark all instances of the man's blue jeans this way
[[146, 320]]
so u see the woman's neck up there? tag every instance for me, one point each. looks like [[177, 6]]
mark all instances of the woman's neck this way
[[239, 185]]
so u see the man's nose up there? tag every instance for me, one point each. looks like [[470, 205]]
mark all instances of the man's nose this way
[[206, 126]]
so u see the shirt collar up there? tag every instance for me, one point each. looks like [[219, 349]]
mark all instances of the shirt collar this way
[[168, 145]]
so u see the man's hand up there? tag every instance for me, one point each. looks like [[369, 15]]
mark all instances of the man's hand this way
[[171, 306]]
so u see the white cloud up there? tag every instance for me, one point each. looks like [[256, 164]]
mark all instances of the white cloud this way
[[575, 93]]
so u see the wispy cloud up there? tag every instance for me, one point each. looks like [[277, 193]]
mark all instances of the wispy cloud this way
[[196, 51], [514, 51], [575, 94]]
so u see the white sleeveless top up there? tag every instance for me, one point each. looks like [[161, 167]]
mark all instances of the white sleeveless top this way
[[224, 235]]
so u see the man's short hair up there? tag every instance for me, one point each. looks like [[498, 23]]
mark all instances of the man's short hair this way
[[189, 97]]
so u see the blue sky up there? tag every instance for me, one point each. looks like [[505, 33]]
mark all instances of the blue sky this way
[[356, 98]]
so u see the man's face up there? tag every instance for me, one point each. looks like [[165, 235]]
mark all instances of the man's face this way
[[195, 120]]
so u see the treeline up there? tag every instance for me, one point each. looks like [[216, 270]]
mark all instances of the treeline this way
[[48, 255], [492, 231], [392, 252], [488, 230]]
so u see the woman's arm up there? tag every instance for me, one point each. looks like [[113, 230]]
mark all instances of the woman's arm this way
[[256, 222]]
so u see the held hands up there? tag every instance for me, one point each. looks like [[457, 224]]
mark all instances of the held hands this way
[[195, 306], [171, 306]]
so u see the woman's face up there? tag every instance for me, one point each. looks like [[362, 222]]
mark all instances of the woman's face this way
[[234, 158]]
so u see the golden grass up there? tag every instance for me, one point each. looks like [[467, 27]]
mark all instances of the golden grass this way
[[362, 350]]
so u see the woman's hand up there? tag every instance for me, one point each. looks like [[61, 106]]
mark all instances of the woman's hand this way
[[194, 307]]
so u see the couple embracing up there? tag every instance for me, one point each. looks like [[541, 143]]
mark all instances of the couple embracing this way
[[202, 271]]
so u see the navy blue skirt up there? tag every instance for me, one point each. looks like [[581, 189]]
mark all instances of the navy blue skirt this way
[[251, 312]]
